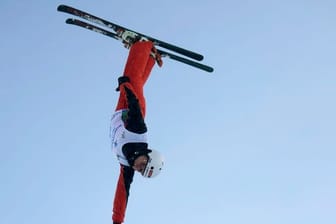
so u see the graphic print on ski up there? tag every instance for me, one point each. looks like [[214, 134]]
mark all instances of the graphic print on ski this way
[[117, 29], [161, 52]]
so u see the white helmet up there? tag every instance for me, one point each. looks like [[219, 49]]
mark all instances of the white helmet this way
[[154, 164]]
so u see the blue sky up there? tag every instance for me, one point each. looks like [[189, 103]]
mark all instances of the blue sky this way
[[253, 142]]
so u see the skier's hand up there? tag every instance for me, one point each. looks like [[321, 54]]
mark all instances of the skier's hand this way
[[156, 56]]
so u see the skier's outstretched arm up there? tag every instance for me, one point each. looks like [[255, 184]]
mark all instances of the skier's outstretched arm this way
[[122, 193]]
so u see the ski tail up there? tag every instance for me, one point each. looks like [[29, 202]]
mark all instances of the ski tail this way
[[102, 31], [185, 61], [179, 50], [117, 28]]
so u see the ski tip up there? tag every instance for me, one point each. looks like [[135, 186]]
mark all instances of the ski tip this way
[[70, 21], [60, 7]]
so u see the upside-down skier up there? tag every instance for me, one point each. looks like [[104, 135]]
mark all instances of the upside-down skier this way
[[128, 128]]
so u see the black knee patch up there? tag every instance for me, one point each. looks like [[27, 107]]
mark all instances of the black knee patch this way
[[121, 80]]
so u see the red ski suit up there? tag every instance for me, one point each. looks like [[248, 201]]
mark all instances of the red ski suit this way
[[138, 67]]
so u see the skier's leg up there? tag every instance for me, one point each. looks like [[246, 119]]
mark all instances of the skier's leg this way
[[135, 67], [155, 57], [148, 69]]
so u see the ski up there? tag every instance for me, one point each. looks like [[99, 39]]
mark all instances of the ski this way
[[120, 30], [97, 29]]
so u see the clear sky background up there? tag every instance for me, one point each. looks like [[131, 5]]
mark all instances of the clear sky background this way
[[253, 142]]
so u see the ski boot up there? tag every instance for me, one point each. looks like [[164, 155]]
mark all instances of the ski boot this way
[[129, 38]]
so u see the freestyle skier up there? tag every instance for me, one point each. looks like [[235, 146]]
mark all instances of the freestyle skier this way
[[128, 128]]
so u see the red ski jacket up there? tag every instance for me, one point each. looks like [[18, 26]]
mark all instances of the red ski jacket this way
[[133, 122]]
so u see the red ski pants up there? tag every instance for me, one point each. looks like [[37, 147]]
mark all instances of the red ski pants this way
[[138, 67]]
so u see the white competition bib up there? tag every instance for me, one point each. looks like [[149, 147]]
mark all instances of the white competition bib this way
[[120, 136]]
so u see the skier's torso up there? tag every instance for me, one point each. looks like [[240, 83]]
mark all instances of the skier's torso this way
[[120, 136]]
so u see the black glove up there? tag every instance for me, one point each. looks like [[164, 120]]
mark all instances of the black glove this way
[[121, 80]]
